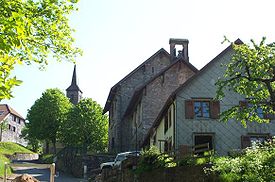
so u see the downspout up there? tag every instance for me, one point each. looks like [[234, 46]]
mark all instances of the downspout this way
[[174, 124]]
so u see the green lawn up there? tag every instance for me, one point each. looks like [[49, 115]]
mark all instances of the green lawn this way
[[9, 148]]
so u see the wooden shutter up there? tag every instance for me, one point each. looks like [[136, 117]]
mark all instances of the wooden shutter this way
[[243, 104], [245, 141], [214, 109], [189, 109]]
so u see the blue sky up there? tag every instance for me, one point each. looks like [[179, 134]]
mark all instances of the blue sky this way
[[117, 36]]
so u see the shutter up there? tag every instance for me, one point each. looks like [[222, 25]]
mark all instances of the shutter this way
[[245, 141], [189, 109], [243, 104], [214, 109]]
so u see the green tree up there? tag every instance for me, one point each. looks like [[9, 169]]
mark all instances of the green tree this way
[[30, 32], [3, 127], [46, 116], [251, 73], [86, 127], [33, 143]]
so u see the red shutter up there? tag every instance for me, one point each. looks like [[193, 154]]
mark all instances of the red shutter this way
[[189, 109], [245, 141], [214, 109]]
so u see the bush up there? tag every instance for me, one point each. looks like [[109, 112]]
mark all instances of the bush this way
[[46, 158], [256, 164], [153, 159]]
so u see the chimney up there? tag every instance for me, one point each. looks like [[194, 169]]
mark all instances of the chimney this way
[[182, 53]]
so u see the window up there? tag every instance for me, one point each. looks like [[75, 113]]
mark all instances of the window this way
[[13, 117], [247, 140], [13, 128], [170, 117], [203, 142], [259, 110], [1, 112], [168, 120], [165, 123], [202, 108]]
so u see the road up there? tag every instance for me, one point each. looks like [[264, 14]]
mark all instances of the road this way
[[43, 175]]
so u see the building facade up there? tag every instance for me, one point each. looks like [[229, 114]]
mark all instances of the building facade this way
[[191, 116], [137, 94], [11, 125]]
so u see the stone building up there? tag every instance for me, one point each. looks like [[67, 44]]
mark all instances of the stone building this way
[[134, 102], [191, 116], [11, 125]]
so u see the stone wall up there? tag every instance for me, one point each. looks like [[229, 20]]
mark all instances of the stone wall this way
[[24, 156], [176, 174], [124, 92]]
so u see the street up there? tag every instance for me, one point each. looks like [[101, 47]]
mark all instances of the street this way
[[43, 175]]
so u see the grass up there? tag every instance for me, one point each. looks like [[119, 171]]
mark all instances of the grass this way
[[9, 148]]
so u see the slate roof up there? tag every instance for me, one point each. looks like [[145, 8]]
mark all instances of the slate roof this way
[[74, 86], [172, 97], [112, 92], [8, 110]]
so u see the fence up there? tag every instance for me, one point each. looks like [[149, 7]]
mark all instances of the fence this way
[[37, 166]]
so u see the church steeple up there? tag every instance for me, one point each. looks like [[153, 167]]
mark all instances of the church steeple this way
[[73, 91]]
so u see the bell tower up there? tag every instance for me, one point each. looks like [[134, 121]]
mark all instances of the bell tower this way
[[73, 92]]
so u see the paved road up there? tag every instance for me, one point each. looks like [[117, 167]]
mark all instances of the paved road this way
[[43, 175]]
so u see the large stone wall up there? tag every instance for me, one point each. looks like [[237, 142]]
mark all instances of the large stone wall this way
[[125, 91], [176, 174], [157, 93]]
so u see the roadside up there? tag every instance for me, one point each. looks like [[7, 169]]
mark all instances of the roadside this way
[[42, 175]]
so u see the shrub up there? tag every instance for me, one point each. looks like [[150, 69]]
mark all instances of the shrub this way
[[153, 159], [256, 164]]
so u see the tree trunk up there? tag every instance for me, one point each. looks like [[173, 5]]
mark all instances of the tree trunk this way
[[54, 147], [47, 147], [1, 132]]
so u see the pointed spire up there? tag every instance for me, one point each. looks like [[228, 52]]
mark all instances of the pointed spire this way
[[74, 76], [74, 86]]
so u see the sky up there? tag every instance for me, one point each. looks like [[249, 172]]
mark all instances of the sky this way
[[118, 35]]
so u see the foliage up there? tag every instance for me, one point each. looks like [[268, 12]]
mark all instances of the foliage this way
[[30, 32], [46, 158], [46, 116], [4, 159], [3, 127], [86, 127], [33, 143], [251, 73], [152, 159], [256, 164]]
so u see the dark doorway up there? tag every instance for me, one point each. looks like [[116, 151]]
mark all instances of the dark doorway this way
[[203, 139]]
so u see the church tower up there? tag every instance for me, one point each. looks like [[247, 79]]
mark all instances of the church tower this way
[[73, 91]]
